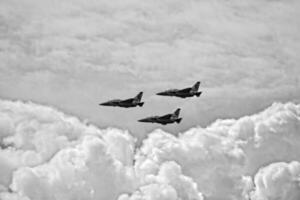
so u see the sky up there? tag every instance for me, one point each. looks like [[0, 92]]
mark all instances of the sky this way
[[74, 54]]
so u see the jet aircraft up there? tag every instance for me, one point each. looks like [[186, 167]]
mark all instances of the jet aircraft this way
[[183, 93], [165, 119], [132, 102]]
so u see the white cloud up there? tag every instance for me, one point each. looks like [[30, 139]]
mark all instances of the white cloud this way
[[86, 171], [278, 181], [46, 154], [220, 157], [168, 184], [32, 134]]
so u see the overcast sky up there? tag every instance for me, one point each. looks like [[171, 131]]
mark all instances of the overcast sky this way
[[73, 54]]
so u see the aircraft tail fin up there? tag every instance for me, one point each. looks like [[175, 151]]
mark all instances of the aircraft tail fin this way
[[198, 94], [196, 86], [139, 97], [177, 112], [178, 120]]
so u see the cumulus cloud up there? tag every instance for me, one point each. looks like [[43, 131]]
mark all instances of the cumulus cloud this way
[[168, 184], [278, 181], [32, 135], [86, 171], [46, 154]]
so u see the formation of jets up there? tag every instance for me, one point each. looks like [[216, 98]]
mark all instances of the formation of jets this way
[[164, 119]]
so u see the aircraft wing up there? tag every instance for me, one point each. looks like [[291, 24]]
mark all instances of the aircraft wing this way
[[186, 90], [168, 116], [127, 101]]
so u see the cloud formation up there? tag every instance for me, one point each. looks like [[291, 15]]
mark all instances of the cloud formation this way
[[46, 154], [278, 181]]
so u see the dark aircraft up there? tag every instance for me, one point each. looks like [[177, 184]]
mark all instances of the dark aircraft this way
[[183, 93], [132, 102], [165, 119]]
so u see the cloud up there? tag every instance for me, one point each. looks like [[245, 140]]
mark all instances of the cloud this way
[[86, 171], [168, 184], [217, 156], [32, 134], [46, 154], [278, 181]]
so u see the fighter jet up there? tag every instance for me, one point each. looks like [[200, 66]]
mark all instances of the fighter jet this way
[[183, 93], [165, 119], [132, 102]]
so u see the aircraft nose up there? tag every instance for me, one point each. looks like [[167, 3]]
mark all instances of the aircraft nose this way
[[142, 120], [104, 104], [160, 93]]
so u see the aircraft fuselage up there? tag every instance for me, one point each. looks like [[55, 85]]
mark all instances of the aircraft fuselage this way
[[160, 121], [120, 103], [179, 94]]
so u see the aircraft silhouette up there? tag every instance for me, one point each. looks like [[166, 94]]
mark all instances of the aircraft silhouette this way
[[165, 119], [183, 93], [127, 103]]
